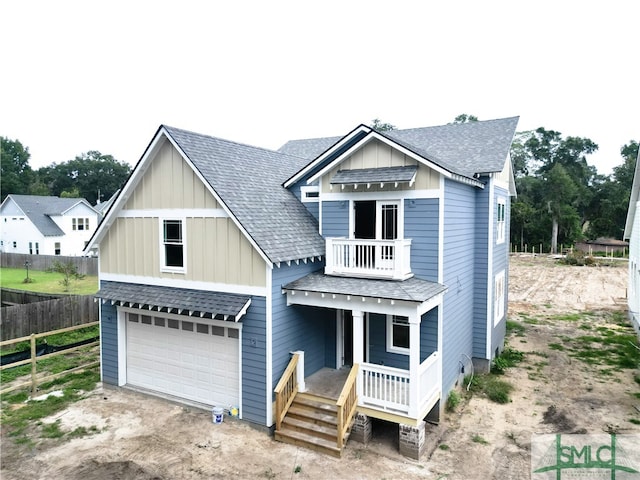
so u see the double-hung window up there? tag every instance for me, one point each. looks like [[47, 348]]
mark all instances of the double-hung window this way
[[397, 334], [172, 248]]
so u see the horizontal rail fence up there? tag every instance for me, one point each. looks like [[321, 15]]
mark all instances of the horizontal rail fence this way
[[85, 265], [33, 360], [22, 320]]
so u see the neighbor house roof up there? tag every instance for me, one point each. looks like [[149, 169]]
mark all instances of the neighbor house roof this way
[[249, 180], [224, 306], [465, 149], [39, 209]]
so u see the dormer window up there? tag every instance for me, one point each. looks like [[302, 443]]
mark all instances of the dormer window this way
[[172, 250]]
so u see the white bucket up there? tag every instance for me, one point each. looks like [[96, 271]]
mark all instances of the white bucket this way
[[217, 414]]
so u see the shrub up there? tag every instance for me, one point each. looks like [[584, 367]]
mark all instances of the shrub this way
[[453, 400]]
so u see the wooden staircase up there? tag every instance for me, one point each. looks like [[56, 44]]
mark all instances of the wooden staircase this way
[[312, 422]]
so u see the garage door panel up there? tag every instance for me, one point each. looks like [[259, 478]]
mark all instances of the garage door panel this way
[[195, 365]]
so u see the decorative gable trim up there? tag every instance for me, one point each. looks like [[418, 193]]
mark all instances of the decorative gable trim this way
[[137, 174], [373, 135]]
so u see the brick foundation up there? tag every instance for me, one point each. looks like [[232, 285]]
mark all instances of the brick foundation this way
[[361, 430], [412, 440]]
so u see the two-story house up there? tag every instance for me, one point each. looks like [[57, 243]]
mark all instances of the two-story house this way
[[46, 225], [357, 275]]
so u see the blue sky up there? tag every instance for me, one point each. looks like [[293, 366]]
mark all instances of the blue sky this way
[[82, 76]]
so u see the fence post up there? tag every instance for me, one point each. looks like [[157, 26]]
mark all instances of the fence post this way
[[33, 365]]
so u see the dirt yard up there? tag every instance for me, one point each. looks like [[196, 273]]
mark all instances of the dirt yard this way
[[139, 437]]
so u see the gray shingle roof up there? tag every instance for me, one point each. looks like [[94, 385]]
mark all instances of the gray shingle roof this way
[[413, 290], [249, 182], [375, 175], [191, 301], [464, 149], [39, 210]]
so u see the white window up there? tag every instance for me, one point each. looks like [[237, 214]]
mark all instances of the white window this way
[[172, 251], [56, 248], [500, 217], [30, 248], [310, 193], [80, 223], [37, 248], [397, 334], [498, 297]]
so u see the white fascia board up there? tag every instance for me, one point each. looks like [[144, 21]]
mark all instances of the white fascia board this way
[[80, 201], [312, 165], [375, 135]]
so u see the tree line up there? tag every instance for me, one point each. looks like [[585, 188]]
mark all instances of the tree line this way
[[90, 175], [561, 199]]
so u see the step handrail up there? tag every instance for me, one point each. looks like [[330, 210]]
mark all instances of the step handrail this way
[[347, 403], [286, 390]]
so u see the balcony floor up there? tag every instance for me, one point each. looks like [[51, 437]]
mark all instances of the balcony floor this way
[[327, 382]]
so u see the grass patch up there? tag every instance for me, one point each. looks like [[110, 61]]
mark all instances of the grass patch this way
[[493, 387], [509, 357], [453, 400], [515, 328], [52, 430], [46, 282], [635, 421], [83, 432], [636, 378], [443, 446], [556, 346], [479, 439]]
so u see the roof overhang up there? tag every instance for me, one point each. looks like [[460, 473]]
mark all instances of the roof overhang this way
[[180, 301], [370, 295], [376, 176]]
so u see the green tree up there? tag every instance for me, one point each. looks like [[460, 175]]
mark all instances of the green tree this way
[[465, 118], [15, 172], [88, 174], [380, 126]]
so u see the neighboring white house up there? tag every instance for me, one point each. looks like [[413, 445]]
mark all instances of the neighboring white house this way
[[40, 225], [632, 235]]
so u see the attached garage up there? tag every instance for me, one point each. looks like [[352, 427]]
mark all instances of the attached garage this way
[[194, 360], [180, 342]]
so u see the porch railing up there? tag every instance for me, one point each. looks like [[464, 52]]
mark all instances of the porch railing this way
[[347, 403], [386, 259], [286, 390], [387, 388]]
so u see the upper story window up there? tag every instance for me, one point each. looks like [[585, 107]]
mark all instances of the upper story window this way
[[56, 248], [80, 224], [310, 193], [397, 334], [500, 219], [173, 248], [498, 297]]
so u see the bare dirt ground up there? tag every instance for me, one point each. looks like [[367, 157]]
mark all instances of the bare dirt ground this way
[[140, 437]]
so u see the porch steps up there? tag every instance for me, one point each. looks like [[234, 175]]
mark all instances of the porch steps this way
[[312, 422]]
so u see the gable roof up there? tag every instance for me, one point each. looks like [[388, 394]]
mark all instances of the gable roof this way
[[247, 182], [39, 209], [465, 149]]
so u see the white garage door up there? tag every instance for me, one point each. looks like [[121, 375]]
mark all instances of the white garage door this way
[[185, 358]]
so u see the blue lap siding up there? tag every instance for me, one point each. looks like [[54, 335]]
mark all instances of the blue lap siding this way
[[109, 343], [254, 362], [459, 262]]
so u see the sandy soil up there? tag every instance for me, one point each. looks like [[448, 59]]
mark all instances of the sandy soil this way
[[141, 437]]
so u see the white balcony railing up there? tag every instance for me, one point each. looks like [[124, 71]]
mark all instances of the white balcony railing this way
[[386, 259], [387, 388]]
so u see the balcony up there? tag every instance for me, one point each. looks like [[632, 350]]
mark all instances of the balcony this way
[[382, 259]]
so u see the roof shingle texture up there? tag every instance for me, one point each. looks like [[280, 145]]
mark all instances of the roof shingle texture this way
[[413, 289], [465, 149], [375, 175], [249, 182], [39, 210], [191, 300]]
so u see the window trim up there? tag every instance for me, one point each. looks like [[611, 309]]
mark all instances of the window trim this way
[[499, 290], [391, 348], [310, 193], [163, 260], [501, 216]]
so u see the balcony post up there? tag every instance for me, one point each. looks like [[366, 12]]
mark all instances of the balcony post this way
[[302, 387], [414, 364], [358, 349]]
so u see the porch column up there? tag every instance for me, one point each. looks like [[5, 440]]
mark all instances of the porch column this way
[[358, 350], [414, 364]]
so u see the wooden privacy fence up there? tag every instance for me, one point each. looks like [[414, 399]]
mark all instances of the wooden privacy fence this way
[[12, 296], [23, 320], [33, 360], [85, 265]]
